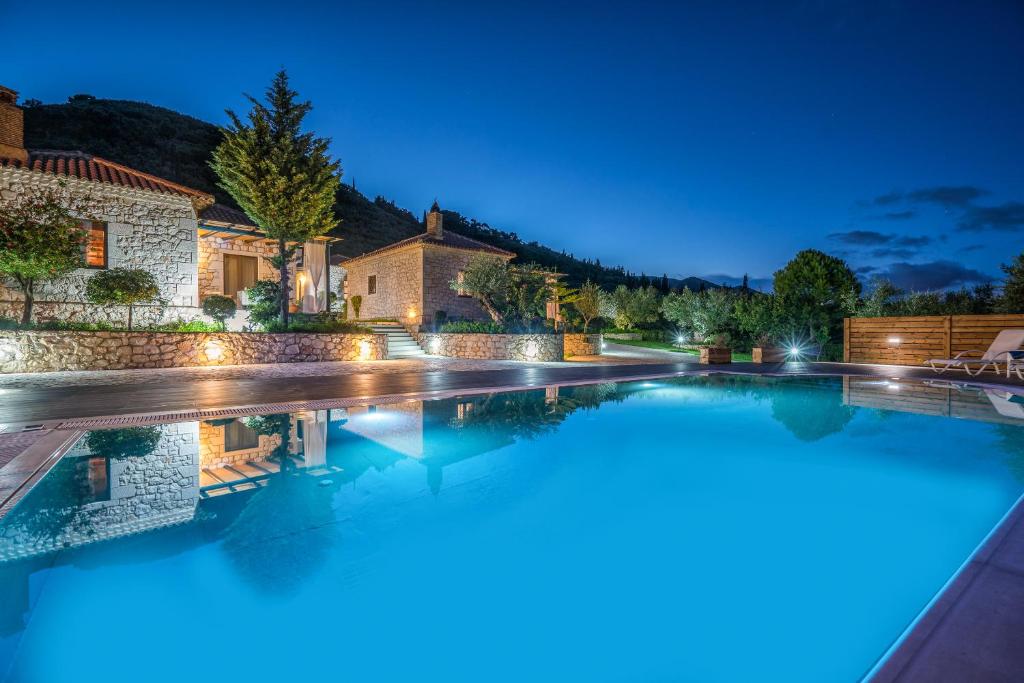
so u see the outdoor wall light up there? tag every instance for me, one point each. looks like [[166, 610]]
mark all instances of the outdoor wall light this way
[[794, 350], [894, 341], [411, 314], [213, 350], [364, 350], [531, 349], [435, 346]]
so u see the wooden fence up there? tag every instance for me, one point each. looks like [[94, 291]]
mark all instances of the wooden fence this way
[[913, 340]]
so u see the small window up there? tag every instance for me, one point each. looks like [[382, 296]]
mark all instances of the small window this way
[[239, 437], [460, 277], [371, 284], [95, 244]]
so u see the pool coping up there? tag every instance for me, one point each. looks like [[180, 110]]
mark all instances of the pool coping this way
[[19, 476]]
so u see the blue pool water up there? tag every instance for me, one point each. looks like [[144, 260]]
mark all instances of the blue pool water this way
[[696, 529]]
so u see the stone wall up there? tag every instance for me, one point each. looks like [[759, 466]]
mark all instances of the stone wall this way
[[526, 347], [440, 266], [582, 345], [53, 351], [145, 491], [399, 292], [211, 447], [145, 229]]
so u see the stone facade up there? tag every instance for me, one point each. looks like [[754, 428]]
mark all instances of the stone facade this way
[[150, 230], [143, 492], [525, 347], [53, 351], [582, 345], [212, 453], [211, 262], [399, 286]]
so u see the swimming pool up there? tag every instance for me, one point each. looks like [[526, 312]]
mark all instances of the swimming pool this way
[[723, 528]]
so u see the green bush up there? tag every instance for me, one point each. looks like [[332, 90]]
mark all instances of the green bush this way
[[220, 308], [264, 303], [472, 327], [185, 326], [122, 287], [357, 303], [320, 323]]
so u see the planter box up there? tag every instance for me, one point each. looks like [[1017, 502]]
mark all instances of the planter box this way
[[714, 355], [768, 355]]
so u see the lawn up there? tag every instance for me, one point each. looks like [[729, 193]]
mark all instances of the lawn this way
[[737, 356]]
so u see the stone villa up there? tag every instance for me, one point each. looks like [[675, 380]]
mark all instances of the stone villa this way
[[193, 246], [409, 280]]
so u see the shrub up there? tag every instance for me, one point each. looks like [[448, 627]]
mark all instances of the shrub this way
[[122, 287], [123, 443], [264, 303], [357, 303], [185, 326], [473, 327], [320, 323], [440, 318], [220, 308]]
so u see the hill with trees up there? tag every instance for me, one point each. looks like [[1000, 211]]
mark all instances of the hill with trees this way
[[178, 147]]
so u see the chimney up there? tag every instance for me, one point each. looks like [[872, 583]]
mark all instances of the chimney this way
[[12, 127], [434, 220]]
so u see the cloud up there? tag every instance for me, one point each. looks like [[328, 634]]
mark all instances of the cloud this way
[[887, 199], [947, 195], [919, 241], [899, 247], [1006, 217], [891, 252], [897, 215], [970, 248], [932, 275], [864, 270], [862, 238]]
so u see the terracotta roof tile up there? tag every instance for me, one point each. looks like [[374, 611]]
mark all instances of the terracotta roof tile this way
[[219, 213], [448, 239], [89, 167]]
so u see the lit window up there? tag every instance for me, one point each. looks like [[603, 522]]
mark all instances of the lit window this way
[[371, 284], [95, 244]]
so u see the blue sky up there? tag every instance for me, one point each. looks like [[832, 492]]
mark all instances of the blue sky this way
[[709, 139]]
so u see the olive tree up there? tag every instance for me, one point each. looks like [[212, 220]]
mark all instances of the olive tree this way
[[488, 280], [588, 303], [40, 240], [220, 308], [122, 287]]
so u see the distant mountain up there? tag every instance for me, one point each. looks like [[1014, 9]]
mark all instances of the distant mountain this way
[[177, 147]]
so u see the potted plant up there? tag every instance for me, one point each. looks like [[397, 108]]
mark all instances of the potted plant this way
[[717, 352], [767, 351]]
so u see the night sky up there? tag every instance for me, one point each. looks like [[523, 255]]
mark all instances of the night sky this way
[[710, 139]]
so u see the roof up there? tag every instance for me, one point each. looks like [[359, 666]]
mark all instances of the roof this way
[[93, 168], [220, 213], [452, 240]]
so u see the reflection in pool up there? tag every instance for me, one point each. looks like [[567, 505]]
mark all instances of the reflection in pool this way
[[603, 532]]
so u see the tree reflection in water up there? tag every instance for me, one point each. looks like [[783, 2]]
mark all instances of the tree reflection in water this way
[[276, 541]]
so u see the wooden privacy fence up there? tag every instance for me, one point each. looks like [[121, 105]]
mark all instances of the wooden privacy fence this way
[[913, 340]]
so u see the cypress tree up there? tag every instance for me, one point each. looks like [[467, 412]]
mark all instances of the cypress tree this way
[[283, 178]]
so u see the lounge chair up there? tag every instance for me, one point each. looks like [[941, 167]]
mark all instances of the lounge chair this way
[[1007, 404], [1015, 364], [1004, 344]]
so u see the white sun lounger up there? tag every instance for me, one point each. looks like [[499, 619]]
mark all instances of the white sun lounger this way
[[1005, 342]]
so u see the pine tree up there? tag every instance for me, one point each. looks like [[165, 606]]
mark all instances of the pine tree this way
[[1012, 300], [282, 178]]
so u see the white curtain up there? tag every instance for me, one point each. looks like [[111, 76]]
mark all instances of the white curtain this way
[[314, 262], [314, 438]]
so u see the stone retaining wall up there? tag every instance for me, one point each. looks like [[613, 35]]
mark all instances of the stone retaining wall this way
[[582, 345], [528, 347], [52, 351]]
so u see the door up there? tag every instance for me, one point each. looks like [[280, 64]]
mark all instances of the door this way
[[240, 273]]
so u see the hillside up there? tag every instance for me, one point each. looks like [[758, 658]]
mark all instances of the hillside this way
[[177, 147]]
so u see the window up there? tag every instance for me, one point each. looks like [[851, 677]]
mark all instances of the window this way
[[95, 244], [239, 437], [240, 273], [371, 284], [92, 476], [460, 277]]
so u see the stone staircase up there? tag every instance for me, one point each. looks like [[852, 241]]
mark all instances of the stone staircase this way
[[400, 342]]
